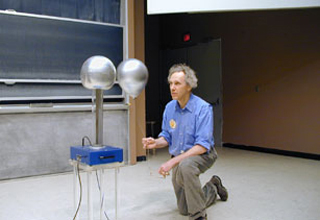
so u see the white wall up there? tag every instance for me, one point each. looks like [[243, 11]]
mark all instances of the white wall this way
[[36, 144]]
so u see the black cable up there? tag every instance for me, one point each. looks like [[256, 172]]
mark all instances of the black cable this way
[[78, 173], [88, 139], [101, 206], [80, 184]]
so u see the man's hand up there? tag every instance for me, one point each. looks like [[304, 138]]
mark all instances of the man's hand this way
[[166, 167], [149, 143]]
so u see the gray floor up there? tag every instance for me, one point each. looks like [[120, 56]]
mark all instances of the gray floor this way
[[261, 186]]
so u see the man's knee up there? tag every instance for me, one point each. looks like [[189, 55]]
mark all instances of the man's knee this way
[[188, 167]]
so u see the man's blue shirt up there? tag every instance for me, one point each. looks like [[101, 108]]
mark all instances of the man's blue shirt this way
[[187, 127]]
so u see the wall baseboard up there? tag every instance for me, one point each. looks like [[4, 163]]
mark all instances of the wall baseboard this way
[[141, 158], [274, 151]]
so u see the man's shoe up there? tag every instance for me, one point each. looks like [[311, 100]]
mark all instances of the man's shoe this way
[[202, 218], [222, 191]]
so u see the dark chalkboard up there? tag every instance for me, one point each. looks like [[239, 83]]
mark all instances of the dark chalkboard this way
[[42, 48], [34, 48]]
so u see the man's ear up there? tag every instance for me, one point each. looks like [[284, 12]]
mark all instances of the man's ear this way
[[189, 88]]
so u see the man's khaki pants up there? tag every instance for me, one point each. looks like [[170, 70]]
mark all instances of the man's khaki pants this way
[[192, 198]]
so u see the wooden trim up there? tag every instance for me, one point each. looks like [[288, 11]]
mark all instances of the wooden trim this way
[[136, 50]]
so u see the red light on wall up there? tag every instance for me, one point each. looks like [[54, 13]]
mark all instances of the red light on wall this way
[[186, 37]]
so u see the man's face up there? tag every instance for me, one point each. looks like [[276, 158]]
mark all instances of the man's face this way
[[179, 89]]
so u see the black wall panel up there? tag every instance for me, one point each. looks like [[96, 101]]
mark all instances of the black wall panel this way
[[31, 6], [68, 8], [93, 10], [53, 8]]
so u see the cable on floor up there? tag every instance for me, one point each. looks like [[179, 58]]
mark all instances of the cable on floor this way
[[101, 202], [80, 184]]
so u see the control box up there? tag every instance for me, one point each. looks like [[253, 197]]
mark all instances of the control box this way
[[96, 155]]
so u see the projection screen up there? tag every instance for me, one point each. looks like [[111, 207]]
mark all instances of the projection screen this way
[[192, 6]]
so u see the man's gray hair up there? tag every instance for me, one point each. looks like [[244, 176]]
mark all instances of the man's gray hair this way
[[190, 74]]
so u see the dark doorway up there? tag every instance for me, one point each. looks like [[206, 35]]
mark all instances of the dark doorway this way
[[205, 59]]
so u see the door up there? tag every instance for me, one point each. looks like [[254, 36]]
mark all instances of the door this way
[[205, 59]]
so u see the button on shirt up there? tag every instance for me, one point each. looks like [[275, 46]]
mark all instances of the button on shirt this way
[[187, 127]]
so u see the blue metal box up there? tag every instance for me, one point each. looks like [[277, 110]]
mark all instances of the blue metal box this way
[[95, 156]]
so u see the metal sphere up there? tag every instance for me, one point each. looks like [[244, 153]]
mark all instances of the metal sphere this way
[[98, 72], [132, 75]]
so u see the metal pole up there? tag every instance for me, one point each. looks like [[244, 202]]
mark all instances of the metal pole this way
[[89, 194], [99, 117], [101, 193], [116, 192]]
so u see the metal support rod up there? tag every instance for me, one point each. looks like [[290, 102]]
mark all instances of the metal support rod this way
[[101, 184], [89, 195], [116, 192], [99, 117]]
